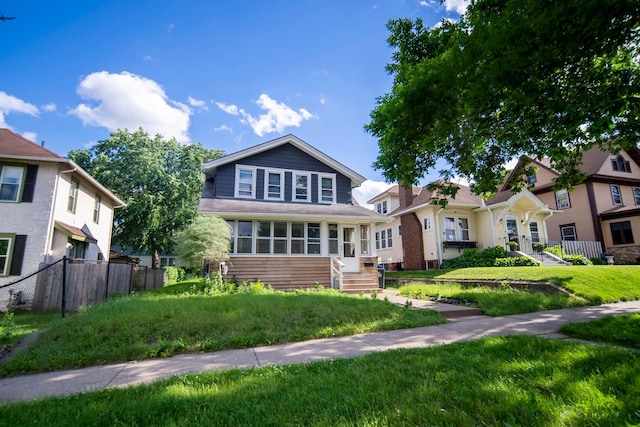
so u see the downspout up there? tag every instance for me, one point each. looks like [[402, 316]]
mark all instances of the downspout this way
[[438, 241], [493, 227]]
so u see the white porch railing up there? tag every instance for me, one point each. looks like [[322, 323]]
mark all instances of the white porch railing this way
[[586, 248], [336, 272]]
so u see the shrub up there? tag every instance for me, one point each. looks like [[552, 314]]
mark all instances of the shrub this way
[[174, 274], [475, 258], [522, 261], [576, 260], [597, 261]]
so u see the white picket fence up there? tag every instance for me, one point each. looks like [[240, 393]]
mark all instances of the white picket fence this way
[[586, 248]]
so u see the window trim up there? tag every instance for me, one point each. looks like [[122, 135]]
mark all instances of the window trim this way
[[636, 195], [620, 164], [332, 177], [23, 176], [11, 238], [568, 203], [254, 175], [74, 192], [97, 205], [457, 229], [294, 186], [613, 195], [622, 234], [279, 172], [566, 226]]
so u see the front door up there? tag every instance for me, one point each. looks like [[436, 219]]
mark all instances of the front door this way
[[349, 249], [512, 228]]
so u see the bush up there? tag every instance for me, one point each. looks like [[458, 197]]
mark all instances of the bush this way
[[174, 274], [522, 261], [475, 258], [597, 261], [573, 259]]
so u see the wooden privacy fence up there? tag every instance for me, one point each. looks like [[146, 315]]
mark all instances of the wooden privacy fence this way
[[90, 282]]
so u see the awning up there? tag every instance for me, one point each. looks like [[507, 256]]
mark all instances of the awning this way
[[75, 233]]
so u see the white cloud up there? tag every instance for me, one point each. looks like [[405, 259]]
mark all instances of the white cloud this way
[[278, 116], [11, 104], [31, 136], [323, 100], [368, 190], [223, 128], [202, 105], [50, 107], [459, 6], [130, 101]]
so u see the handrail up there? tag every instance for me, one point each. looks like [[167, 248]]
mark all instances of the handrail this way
[[336, 272]]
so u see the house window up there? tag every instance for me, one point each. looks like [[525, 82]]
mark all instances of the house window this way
[[73, 196], [616, 196], [280, 238], [327, 188], [562, 199], [245, 182], [427, 223], [245, 237], [6, 246], [77, 249], [96, 209], [10, 183], [383, 239], [313, 238], [364, 239], [333, 239], [620, 164], [273, 183], [301, 187], [297, 238], [389, 238], [621, 233], [531, 179], [533, 231], [232, 237], [568, 232], [381, 207], [399, 230], [463, 228], [263, 237], [449, 228], [636, 195], [167, 261], [377, 240]]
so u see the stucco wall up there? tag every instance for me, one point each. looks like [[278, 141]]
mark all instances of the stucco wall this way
[[579, 214]]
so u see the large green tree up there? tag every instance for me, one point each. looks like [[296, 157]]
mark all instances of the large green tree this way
[[205, 239], [159, 180], [512, 78]]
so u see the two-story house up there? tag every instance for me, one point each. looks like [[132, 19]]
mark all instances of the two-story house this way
[[605, 208], [292, 216], [50, 207], [422, 234]]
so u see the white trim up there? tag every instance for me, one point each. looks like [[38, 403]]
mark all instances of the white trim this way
[[294, 182], [20, 183], [332, 177], [254, 173], [281, 173]]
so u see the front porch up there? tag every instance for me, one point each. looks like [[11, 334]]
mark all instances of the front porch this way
[[303, 272]]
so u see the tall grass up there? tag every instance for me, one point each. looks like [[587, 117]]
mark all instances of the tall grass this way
[[620, 330], [493, 301], [518, 380], [160, 324]]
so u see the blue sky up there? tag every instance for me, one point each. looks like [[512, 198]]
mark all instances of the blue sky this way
[[228, 74]]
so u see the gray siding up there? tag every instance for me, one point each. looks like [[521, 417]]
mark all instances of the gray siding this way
[[285, 157]]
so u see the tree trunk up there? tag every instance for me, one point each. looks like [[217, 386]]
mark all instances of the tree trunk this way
[[155, 259]]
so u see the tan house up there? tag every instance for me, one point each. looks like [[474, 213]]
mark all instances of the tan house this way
[[428, 234], [605, 208]]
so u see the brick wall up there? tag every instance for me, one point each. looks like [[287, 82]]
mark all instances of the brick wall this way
[[412, 245], [624, 254]]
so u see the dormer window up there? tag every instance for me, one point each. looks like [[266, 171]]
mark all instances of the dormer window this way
[[245, 182], [619, 164], [381, 207]]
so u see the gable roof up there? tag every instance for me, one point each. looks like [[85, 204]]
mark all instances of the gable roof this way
[[356, 178], [464, 197], [17, 147], [394, 190]]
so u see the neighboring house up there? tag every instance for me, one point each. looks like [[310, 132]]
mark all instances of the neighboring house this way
[[605, 208], [292, 216], [49, 207], [428, 234], [145, 259]]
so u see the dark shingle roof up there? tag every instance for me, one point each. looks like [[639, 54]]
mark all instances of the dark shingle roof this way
[[13, 144]]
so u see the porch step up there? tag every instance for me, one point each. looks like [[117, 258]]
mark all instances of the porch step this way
[[354, 283]]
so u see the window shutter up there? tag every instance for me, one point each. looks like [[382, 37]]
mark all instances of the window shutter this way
[[29, 183], [18, 255]]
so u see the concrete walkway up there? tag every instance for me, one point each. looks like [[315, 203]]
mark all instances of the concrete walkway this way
[[465, 328]]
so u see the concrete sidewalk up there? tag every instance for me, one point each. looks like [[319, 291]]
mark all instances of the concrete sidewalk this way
[[545, 324]]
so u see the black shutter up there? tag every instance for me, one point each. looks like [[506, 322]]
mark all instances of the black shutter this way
[[18, 255], [29, 183]]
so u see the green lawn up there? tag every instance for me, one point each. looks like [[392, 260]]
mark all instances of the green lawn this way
[[598, 283], [493, 301], [619, 330], [169, 321], [506, 381]]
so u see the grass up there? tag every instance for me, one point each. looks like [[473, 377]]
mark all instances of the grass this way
[[618, 330], [500, 301], [598, 283], [518, 380], [15, 326], [164, 323]]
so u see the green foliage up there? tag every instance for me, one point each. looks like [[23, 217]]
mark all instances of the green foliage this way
[[521, 261], [556, 250], [174, 274], [573, 259], [206, 238], [475, 258], [8, 327], [619, 330], [511, 78], [160, 181], [597, 261]]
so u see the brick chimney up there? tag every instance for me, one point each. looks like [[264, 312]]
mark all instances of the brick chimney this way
[[412, 244], [406, 196]]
